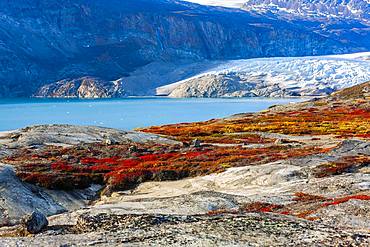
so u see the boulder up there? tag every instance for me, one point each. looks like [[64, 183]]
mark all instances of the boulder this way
[[35, 223], [196, 143]]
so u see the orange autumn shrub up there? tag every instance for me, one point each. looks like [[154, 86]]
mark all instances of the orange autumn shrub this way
[[304, 197]]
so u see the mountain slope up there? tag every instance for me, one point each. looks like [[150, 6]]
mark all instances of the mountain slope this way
[[44, 41], [275, 77], [85, 87], [342, 9], [347, 20]]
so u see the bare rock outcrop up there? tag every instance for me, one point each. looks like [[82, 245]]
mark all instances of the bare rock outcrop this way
[[18, 199], [84, 87], [66, 135]]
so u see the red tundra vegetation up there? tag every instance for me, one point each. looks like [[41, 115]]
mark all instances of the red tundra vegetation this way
[[334, 120], [303, 206], [118, 168], [346, 164]]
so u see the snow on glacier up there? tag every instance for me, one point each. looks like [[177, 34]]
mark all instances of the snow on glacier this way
[[320, 72]]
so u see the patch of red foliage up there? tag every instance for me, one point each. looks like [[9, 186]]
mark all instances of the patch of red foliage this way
[[365, 136], [61, 166], [346, 199], [260, 207], [304, 197], [305, 214], [253, 207], [285, 212]]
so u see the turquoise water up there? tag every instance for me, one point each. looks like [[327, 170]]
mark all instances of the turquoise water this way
[[125, 114]]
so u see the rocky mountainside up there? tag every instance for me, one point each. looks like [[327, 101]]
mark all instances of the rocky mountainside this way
[[298, 171], [347, 20], [327, 9], [45, 41], [315, 9], [275, 77], [85, 87]]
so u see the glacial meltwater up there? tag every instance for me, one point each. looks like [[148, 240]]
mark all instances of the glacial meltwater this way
[[127, 114]]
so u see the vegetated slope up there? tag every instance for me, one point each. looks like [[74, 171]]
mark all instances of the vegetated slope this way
[[44, 41], [275, 77], [345, 113]]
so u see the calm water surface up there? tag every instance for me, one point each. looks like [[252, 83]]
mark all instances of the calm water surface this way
[[125, 114]]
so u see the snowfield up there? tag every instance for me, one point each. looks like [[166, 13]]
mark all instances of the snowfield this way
[[304, 75]]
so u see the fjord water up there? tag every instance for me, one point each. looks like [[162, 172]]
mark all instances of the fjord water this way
[[126, 113]]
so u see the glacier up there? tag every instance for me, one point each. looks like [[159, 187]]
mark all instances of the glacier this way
[[296, 76]]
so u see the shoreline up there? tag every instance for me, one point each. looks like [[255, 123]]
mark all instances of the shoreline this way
[[127, 114]]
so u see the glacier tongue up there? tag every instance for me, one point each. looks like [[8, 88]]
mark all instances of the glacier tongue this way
[[275, 77]]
